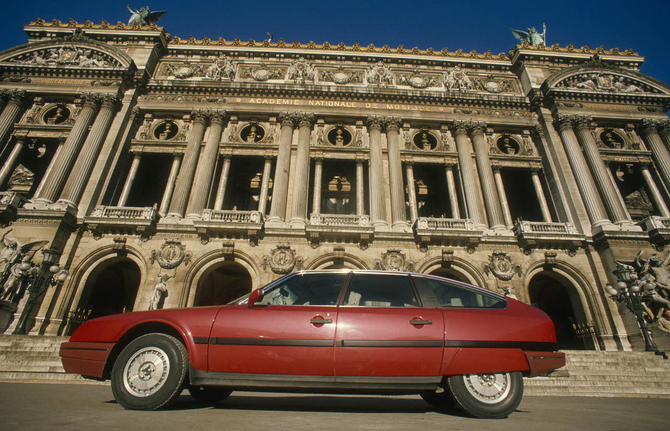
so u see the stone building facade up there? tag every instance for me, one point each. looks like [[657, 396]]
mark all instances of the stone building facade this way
[[139, 171]]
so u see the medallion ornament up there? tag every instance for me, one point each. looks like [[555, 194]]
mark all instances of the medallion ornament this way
[[171, 255], [282, 260], [500, 264]]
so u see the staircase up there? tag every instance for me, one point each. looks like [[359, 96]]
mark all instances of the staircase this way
[[34, 359], [589, 373]]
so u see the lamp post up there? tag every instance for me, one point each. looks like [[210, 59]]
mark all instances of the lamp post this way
[[633, 292], [48, 274]]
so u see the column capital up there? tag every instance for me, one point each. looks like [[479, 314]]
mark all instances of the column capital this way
[[219, 116], [538, 132], [583, 122], [14, 96], [649, 125], [200, 115], [459, 127], [305, 119], [287, 119], [374, 122], [476, 127], [562, 121], [110, 101], [391, 123]]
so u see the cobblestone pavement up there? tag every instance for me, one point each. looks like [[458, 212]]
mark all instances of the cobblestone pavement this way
[[28, 407]]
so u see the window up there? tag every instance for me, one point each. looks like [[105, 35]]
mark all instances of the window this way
[[306, 289], [453, 295], [372, 290]]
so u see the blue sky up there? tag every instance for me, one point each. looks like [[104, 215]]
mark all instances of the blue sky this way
[[642, 25]]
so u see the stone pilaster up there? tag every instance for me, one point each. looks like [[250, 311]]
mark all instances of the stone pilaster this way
[[301, 180]]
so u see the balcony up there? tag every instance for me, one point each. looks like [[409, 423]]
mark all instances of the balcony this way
[[444, 231], [221, 222], [122, 220], [340, 227], [533, 234]]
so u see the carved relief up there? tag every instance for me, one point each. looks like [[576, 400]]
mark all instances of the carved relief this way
[[457, 80], [424, 140], [252, 133], [417, 80], [183, 70], [67, 55], [341, 76], [379, 74], [492, 85], [610, 138], [394, 260], [166, 130], [171, 254], [339, 136], [262, 73], [500, 264], [604, 82], [282, 260], [221, 69], [300, 71]]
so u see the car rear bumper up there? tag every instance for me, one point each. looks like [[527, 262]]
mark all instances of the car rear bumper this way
[[87, 359], [543, 362]]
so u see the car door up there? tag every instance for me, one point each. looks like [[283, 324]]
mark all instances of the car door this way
[[383, 331], [290, 331]]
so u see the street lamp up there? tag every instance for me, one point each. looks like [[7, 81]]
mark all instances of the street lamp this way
[[633, 292], [48, 274]]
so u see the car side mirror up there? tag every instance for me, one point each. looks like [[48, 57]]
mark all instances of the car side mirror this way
[[254, 297]]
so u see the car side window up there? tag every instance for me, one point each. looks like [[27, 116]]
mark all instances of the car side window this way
[[453, 295], [306, 289], [375, 290]]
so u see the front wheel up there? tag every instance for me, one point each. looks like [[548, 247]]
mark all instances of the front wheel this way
[[150, 372], [488, 396]]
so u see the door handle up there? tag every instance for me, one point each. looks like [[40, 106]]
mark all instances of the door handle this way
[[418, 322], [318, 321]]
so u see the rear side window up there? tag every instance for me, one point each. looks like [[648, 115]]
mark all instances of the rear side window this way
[[307, 289], [375, 290], [456, 296]]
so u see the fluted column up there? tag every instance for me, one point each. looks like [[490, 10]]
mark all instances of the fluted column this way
[[11, 112], [664, 131], [453, 193], [130, 179], [206, 166], [468, 177], [265, 185], [544, 206], [585, 183], [411, 188], [12, 160], [301, 182], [85, 161], [360, 187], [654, 191], [376, 174], [280, 184], [187, 171], [659, 150], [500, 186], [169, 187], [491, 200], [617, 212], [53, 182], [398, 212], [223, 183], [318, 179]]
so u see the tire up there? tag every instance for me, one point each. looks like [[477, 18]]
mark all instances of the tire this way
[[487, 396], [209, 394], [440, 399], [150, 372]]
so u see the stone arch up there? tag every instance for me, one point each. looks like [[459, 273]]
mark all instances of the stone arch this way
[[337, 261], [568, 79], [219, 265], [222, 283], [456, 268]]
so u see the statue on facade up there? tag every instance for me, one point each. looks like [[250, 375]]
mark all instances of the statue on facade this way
[[160, 293], [143, 16], [532, 36]]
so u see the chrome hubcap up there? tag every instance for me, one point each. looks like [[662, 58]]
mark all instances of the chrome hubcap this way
[[488, 388], [146, 371]]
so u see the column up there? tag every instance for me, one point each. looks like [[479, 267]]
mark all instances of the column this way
[[12, 160], [85, 161], [398, 212], [500, 186], [659, 150], [223, 183], [664, 131], [453, 194], [491, 201], [206, 166], [301, 183], [544, 206], [169, 187], [583, 178], [411, 187], [360, 187], [52, 183], [130, 179], [376, 174], [184, 182], [318, 174], [280, 185], [653, 190], [265, 185], [468, 177], [616, 210], [11, 112]]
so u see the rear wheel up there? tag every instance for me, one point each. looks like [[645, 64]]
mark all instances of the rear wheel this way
[[489, 396], [150, 372], [209, 394]]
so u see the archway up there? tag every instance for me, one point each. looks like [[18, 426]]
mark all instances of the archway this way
[[222, 284], [556, 296], [111, 288], [451, 274]]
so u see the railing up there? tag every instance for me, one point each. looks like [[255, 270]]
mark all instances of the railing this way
[[587, 334], [124, 212], [228, 216], [76, 318], [339, 219], [444, 224], [544, 228]]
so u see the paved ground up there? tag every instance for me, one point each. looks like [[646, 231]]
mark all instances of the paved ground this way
[[29, 407]]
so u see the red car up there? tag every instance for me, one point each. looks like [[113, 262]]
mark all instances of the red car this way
[[327, 331]]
